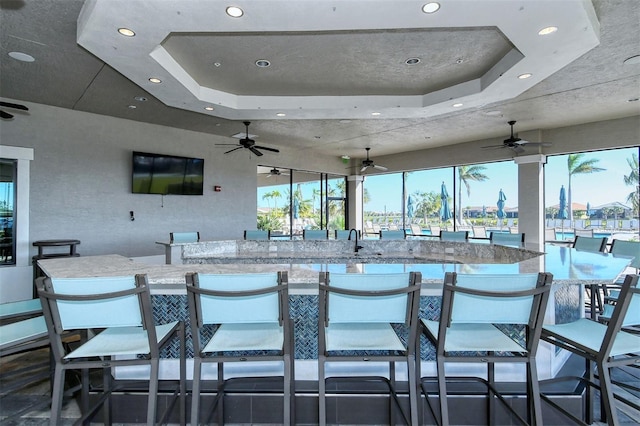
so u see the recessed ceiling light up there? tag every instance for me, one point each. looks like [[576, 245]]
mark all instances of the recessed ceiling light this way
[[431, 7], [234, 11], [140, 99], [525, 75], [412, 61], [493, 113], [21, 56], [209, 108], [547, 31], [132, 107], [633, 60], [375, 113], [155, 80], [281, 114], [216, 64], [262, 63], [126, 32], [458, 105]]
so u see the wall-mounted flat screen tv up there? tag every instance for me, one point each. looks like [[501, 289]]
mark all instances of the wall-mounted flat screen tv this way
[[166, 174]]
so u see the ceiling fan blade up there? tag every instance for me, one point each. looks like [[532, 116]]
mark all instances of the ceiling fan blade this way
[[363, 168], [493, 146], [226, 144], [5, 115], [234, 149], [518, 149], [382, 168], [255, 151], [14, 106], [535, 143], [266, 148]]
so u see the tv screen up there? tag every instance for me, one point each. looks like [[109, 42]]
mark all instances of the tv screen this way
[[166, 174]]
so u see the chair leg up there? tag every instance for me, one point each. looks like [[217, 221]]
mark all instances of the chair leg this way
[[322, 403], [153, 392], [183, 376], [590, 394], [533, 398], [107, 386], [442, 392], [58, 392], [392, 381], [413, 390], [220, 393], [287, 391], [606, 393], [195, 391], [491, 378]]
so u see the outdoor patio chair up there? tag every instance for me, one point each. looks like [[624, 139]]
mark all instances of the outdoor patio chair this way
[[22, 329], [116, 318], [251, 315], [398, 234], [625, 248], [472, 305], [435, 230], [416, 230], [343, 234], [606, 346], [550, 234], [479, 232], [315, 234], [504, 239], [594, 244], [454, 235], [513, 229], [184, 237], [583, 232], [356, 313], [257, 234]]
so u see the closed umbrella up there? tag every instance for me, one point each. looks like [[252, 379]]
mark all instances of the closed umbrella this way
[[445, 212], [562, 208], [588, 209], [296, 208], [410, 207], [501, 199]]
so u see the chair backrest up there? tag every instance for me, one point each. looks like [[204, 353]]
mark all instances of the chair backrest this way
[[94, 302], [479, 231], [513, 229], [416, 229], [364, 298], [627, 248], [397, 234], [238, 298], [454, 235], [435, 230], [583, 232], [315, 234], [590, 244], [550, 234], [495, 298], [343, 234], [184, 237], [505, 239], [626, 313], [256, 234]]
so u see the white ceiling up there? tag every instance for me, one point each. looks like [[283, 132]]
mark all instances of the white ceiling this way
[[333, 64]]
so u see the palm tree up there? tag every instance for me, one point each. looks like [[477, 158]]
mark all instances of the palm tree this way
[[466, 174], [576, 165], [633, 180]]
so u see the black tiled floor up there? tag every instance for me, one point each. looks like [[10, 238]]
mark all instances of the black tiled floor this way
[[354, 408]]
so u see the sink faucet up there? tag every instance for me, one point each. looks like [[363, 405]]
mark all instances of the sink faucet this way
[[357, 247]]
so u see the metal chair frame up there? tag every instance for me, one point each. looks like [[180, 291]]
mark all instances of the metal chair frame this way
[[607, 346], [115, 317], [353, 301], [487, 293], [245, 301], [396, 234]]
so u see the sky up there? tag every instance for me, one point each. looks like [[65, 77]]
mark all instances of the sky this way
[[385, 191]]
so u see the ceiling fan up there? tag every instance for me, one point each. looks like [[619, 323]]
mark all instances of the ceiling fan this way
[[276, 172], [249, 144], [369, 163], [8, 116], [515, 143]]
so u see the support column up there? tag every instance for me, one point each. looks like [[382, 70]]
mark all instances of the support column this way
[[531, 199], [356, 202]]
